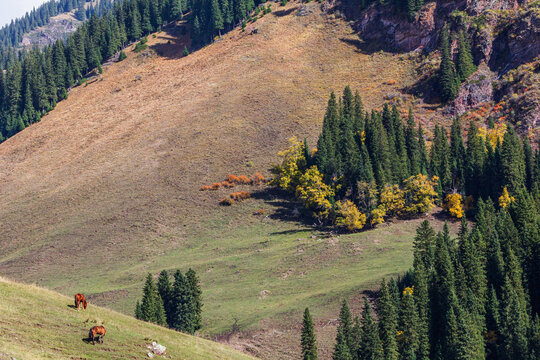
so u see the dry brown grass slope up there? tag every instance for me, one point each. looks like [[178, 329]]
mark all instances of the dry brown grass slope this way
[[123, 159]]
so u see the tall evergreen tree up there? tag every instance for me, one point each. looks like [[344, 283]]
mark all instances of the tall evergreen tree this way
[[308, 342], [465, 65], [370, 343], [448, 77], [387, 323]]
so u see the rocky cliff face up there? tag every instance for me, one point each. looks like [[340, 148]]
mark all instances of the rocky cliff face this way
[[505, 40], [387, 24]]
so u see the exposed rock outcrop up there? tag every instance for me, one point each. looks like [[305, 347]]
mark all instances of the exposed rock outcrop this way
[[476, 90]]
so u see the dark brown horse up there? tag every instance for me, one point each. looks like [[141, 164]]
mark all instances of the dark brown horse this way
[[97, 332], [80, 300]]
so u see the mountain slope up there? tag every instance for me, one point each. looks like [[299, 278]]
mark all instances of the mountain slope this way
[[112, 175], [41, 324]]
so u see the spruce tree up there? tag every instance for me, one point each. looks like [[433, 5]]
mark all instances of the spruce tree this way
[[165, 292], [422, 152], [448, 79], [341, 350], [345, 324], [465, 66], [370, 342], [512, 161], [408, 322], [457, 155], [184, 312], [196, 294], [387, 323], [308, 342], [149, 308]]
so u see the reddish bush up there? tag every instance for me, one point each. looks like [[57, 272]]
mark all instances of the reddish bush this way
[[227, 184], [239, 196], [244, 180], [215, 186], [233, 179], [226, 202], [257, 178], [259, 212], [205, 188]]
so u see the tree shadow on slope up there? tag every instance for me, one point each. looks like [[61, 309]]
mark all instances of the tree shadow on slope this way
[[281, 13], [174, 37], [425, 88], [369, 47], [285, 208]]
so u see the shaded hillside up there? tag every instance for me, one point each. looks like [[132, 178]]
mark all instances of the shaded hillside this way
[[41, 324]]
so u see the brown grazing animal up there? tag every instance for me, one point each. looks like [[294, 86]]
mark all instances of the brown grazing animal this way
[[97, 332], [80, 300]]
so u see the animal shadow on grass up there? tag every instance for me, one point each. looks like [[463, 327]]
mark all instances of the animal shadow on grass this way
[[72, 306], [281, 13], [89, 340]]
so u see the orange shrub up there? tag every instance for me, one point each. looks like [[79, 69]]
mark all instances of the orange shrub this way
[[239, 196], [257, 178], [259, 212], [216, 186], [226, 202], [243, 179], [205, 188], [390, 82], [227, 184], [232, 179]]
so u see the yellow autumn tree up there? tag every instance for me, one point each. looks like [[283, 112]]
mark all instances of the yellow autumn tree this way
[[314, 193], [419, 194], [391, 200], [453, 204], [288, 173], [377, 216], [493, 136], [348, 216], [505, 199]]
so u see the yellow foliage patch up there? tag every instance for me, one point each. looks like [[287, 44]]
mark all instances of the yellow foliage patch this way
[[348, 216], [314, 193], [453, 204], [493, 136], [505, 199], [288, 172]]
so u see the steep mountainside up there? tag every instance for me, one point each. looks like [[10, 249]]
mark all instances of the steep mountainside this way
[[41, 324], [106, 187]]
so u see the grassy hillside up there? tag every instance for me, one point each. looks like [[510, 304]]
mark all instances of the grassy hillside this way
[[106, 187], [41, 324]]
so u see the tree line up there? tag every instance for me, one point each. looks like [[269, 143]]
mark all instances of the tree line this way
[[177, 305], [11, 35], [34, 81], [372, 165], [474, 297]]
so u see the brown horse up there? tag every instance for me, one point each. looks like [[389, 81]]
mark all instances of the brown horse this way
[[97, 332], [80, 300]]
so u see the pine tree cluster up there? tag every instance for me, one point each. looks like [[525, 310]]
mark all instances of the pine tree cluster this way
[[177, 305], [474, 297], [376, 160], [452, 74]]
